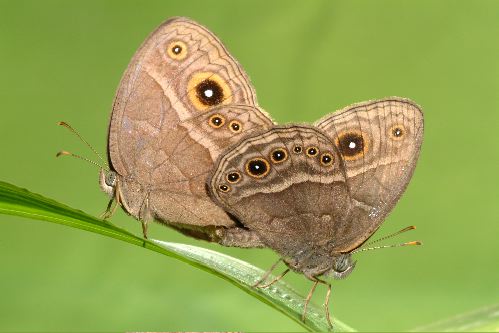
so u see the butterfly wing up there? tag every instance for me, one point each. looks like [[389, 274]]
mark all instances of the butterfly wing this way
[[379, 142], [290, 189], [160, 135]]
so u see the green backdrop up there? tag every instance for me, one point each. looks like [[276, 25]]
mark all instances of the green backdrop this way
[[62, 60]]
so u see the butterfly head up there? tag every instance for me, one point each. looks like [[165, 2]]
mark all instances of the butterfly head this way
[[343, 265], [107, 181]]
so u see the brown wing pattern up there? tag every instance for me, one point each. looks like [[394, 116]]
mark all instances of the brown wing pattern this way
[[379, 142], [160, 135]]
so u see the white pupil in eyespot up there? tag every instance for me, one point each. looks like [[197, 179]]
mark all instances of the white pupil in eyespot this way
[[352, 145], [208, 93]]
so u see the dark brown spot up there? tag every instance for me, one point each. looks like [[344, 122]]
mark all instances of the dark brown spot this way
[[397, 132], [297, 149], [312, 151], [224, 188], [327, 159], [351, 144], [279, 155], [209, 92], [216, 121], [233, 177], [177, 49], [235, 126], [257, 167]]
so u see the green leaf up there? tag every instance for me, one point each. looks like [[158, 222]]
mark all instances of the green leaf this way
[[280, 296], [482, 320]]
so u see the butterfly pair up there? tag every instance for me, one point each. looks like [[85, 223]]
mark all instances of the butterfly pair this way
[[189, 147]]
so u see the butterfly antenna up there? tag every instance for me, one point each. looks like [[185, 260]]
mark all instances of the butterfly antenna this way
[[64, 124], [409, 228], [387, 246], [67, 153]]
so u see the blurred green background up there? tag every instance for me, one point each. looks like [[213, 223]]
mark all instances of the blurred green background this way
[[62, 60]]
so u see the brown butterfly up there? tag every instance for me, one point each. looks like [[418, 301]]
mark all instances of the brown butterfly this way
[[315, 194], [182, 100]]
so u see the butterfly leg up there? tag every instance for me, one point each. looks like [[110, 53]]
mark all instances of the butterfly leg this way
[[267, 273], [326, 302], [307, 300], [277, 278]]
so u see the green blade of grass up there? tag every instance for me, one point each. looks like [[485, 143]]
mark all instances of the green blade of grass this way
[[482, 320], [21, 202]]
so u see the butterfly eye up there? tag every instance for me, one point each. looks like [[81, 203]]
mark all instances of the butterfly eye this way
[[207, 89], [279, 155], [397, 132], [352, 145], [216, 121], [312, 151], [327, 159], [233, 177], [235, 126], [224, 188], [297, 149], [177, 50], [257, 167]]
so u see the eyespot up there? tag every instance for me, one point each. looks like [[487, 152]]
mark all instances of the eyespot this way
[[224, 188], [352, 145], [327, 159], [279, 155], [397, 132], [216, 121], [234, 177], [297, 149], [312, 151], [235, 126], [207, 89], [177, 50], [257, 167]]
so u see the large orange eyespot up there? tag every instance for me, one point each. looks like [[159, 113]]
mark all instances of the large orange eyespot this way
[[257, 167], [177, 50], [207, 89], [279, 155], [397, 132], [352, 144]]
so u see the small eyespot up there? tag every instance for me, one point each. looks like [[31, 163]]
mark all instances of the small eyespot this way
[[352, 145], [235, 126], [216, 121], [297, 149], [279, 155], [397, 132], [327, 159], [177, 50], [312, 151], [257, 167], [224, 188], [233, 177]]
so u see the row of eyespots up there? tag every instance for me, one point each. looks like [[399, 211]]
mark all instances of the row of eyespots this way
[[326, 157], [217, 121], [259, 167]]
